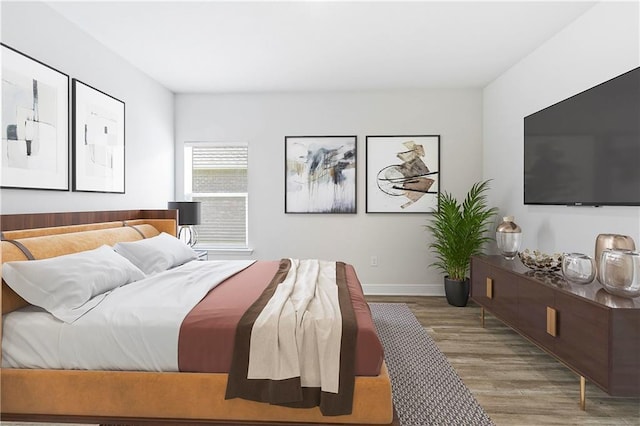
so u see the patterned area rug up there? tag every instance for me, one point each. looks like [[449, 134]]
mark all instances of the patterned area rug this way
[[426, 388]]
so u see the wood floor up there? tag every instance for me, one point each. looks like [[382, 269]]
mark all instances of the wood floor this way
[[514, 381]]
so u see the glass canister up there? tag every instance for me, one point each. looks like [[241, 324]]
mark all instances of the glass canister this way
[[578, 268], [619, 272], [611, 241], [508, 237]]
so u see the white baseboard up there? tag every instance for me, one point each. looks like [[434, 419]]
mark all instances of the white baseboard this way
[[403, 289]]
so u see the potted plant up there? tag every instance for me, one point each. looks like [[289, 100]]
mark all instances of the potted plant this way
[[459, 232]]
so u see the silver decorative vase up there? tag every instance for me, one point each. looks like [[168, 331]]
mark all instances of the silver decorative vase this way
[[620, 272], [611, 241], [578, 268], [508, 238]]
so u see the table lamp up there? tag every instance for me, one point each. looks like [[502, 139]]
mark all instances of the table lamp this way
[[188, 215]]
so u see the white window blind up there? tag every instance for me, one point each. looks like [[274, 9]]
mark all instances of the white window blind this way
[[216, 175]]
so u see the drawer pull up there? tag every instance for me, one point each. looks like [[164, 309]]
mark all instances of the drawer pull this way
[[490, 288], [552, 321]]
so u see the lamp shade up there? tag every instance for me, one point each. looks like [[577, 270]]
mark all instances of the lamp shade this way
[[188, 212]]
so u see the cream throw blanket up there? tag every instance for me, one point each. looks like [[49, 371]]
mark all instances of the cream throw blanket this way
[[299, 331]]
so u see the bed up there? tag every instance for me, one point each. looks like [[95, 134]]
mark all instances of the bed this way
[[192, 395]]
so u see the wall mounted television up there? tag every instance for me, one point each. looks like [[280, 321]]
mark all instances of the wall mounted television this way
[[585, 150]]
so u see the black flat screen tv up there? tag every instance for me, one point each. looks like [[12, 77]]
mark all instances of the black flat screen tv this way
[[585, 150]]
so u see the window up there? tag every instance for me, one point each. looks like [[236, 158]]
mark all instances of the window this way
[[216, 175]]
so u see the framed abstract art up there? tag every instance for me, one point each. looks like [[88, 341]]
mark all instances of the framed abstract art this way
[[35, 124], [403, 174], [320, 174], [98, 140]]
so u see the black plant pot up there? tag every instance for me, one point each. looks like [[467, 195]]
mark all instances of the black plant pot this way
[[457, 292]]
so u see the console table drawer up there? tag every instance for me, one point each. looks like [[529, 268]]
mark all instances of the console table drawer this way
[[533, 320], [583, 337], [495, 289], [624, 351]]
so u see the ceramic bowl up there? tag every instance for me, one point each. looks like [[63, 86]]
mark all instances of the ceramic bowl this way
[[540, 261]]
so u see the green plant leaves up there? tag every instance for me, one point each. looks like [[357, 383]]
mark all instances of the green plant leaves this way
[[460, 230]]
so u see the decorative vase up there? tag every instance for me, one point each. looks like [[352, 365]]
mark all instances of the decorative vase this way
[[457, 291], [611, 241], [508, 238], [619, 272], [578, 268]]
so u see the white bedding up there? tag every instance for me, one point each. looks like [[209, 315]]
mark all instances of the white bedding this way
[[135, 327]]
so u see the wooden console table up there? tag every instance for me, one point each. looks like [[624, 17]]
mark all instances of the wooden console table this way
[[594, 333]]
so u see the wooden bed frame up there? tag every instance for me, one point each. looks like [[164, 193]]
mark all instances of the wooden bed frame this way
[[128, 397]]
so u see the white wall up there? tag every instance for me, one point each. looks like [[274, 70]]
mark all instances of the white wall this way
[[36, 30], [398, 240], [601, 44]]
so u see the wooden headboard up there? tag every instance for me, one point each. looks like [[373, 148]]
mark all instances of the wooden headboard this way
[[45, 235], [10, 222]]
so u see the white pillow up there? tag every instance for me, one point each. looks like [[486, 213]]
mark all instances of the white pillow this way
[[69, 286], [156, 254]]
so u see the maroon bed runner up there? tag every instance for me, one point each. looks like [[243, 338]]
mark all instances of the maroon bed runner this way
[[207, 334]]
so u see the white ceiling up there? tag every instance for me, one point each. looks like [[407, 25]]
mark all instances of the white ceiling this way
[[233, 46]]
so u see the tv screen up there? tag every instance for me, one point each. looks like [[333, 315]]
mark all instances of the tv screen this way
[[585, 150]]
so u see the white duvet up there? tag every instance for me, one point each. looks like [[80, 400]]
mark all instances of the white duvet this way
[[135, 327]]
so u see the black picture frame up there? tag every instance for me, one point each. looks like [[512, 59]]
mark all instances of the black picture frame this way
[[98, 140], [35, 123], [403, 173], [321, 174]]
